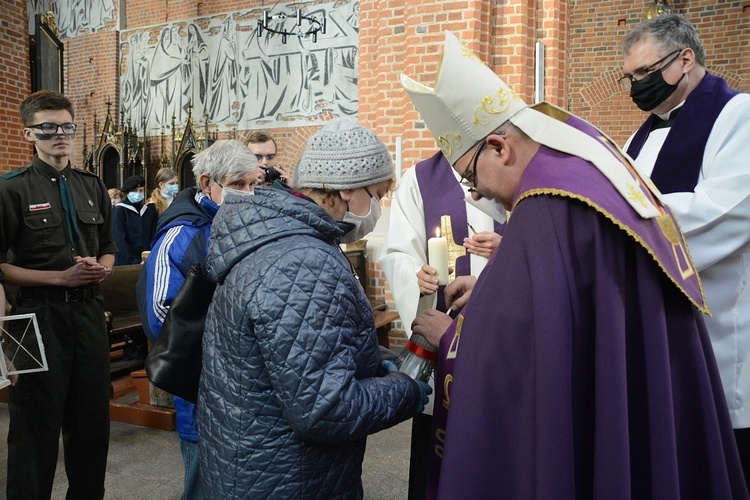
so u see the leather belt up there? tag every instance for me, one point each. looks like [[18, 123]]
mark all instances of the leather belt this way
[[58, 293]]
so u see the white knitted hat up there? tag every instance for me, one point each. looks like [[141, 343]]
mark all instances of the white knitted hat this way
[[343, 155]]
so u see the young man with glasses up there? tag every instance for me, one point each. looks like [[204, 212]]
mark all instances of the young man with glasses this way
[[56, 246], [695, 148], [263, 147], [579, 364]]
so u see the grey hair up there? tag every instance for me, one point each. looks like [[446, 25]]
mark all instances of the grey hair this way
[[671, 32], [226, 158]]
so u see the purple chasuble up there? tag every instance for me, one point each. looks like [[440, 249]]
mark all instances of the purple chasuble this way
[[679, 161], [581, 367], [443, 195]]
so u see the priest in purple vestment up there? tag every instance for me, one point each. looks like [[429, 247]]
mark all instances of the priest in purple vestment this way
[[580, 365], [694, 146]]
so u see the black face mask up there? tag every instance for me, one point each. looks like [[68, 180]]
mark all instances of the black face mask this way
[[651, 90]]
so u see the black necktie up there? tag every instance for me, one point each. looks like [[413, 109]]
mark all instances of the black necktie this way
[[68, 209]]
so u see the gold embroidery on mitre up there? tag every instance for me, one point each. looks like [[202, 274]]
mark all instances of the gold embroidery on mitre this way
[[492, 105], [467, 52], [447, 142], [635, 194]]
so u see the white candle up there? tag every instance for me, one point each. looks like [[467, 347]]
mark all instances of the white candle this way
[[437, 252]]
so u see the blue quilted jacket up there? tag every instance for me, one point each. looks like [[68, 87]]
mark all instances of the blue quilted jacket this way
[[289, 390]]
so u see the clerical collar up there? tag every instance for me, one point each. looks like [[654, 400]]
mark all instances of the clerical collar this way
[[666, 115]]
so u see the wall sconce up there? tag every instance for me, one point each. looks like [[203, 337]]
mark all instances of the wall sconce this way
[[315, 26], [657, 8]]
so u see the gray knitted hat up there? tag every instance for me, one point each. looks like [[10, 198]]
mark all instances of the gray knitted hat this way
[[343, 155]]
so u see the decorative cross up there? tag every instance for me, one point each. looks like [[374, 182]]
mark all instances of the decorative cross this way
[[454, 250]]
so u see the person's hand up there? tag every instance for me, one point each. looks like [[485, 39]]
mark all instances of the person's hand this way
[[458, 292], [284, 172], [387, 366], [431, 324], [427, 280], [424, 395], [11, 367], [482, 244], [85, 271]]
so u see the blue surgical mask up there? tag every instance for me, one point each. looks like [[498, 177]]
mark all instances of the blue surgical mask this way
[[135, 197], [172, 189]]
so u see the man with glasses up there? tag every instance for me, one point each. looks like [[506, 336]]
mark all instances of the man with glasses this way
[[263, 147], [695, 146], [579, 365], [56, 246], [424, 194]]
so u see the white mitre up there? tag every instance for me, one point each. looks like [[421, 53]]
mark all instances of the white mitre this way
[[469, 101]]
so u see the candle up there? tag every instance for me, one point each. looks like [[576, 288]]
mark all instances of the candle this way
[[437, 253]]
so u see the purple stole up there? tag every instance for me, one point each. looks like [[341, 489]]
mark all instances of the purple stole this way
[[552, 173], [679, 161], [442, 195]]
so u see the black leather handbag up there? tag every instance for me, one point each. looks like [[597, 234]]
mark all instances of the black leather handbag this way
[[174, 362]]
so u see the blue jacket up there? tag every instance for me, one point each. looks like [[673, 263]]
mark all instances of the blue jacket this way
[[289, 390], [181, 242]]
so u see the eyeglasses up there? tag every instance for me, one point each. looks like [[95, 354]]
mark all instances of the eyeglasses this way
[[52, 128], [469, 177], [267, 157], [627, 81]]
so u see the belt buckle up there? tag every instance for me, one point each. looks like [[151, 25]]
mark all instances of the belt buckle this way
[[73, 295]]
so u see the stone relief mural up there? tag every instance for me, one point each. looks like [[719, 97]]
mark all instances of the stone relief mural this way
[[73, 17], [218, 67]]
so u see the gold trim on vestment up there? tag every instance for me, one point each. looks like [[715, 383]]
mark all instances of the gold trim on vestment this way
[[566, 194]]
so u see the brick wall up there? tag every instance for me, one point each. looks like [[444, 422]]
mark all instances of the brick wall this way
[[582, 62], [596, 31], [15, 83]]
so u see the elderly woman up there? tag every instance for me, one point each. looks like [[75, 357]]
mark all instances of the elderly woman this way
[[181, 242], [291, 384]]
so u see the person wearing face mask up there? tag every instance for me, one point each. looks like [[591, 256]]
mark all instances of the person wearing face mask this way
[[695, 147], [134, 222], [293, 379], [226, 168], [578, 364], [166, 189]]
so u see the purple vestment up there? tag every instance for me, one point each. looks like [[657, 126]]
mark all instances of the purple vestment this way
[[443, 195], [581, 367], [680, 159]]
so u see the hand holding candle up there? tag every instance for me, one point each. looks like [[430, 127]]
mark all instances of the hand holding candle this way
[[437, 253]]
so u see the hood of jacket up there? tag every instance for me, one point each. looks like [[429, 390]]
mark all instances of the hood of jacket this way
[[185, 208], [243, 224]]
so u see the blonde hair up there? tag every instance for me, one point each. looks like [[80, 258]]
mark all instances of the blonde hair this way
[[163, 175], [112, 192]]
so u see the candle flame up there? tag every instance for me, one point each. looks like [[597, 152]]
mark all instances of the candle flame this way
[[437, 232]]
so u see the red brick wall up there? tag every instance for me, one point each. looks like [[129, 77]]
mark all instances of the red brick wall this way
[[582, 60], [595, 61], [92, 79], [15, 83]]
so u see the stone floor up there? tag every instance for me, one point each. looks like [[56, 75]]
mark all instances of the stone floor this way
[[145, 464]]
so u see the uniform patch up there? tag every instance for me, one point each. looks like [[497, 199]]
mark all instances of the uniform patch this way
[[39, 206]]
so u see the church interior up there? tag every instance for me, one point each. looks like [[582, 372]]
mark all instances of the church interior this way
[[154, 82]]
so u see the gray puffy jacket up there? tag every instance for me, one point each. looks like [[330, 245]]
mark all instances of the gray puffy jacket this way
[[289, 390]]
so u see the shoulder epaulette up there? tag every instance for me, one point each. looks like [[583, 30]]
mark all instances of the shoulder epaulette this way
[[14, 173]]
